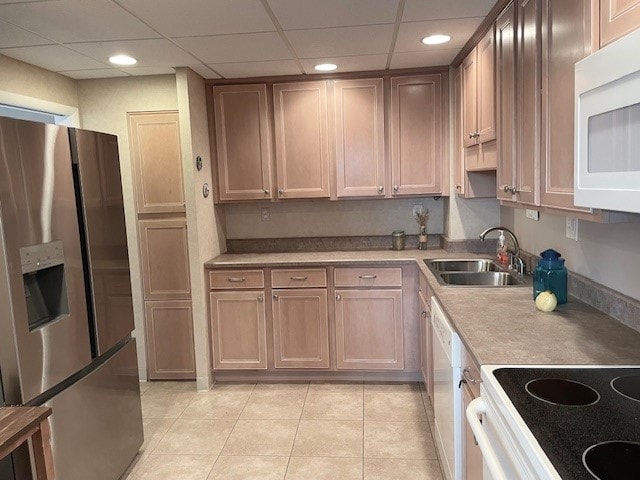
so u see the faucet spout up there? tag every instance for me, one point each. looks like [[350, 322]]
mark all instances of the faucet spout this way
[[516, 245]]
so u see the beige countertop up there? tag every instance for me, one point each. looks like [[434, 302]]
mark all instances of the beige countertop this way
[[499, 326]]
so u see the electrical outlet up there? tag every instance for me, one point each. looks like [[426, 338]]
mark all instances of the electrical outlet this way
[[572, 228], [416, 209], [265, 213], [533, 214]]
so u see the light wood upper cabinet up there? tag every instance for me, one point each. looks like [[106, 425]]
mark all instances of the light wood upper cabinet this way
[[164, 254], [528, 87], [617, 18], [369, 330], [243, 142], [169, 333], [486, 123], [359, 137], [566, 39], [417, 128], [300, 328], [302, 149], [506, 100], [157, 162], [469, 99], [238, 329]]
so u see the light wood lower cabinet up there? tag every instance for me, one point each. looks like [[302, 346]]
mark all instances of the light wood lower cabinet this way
[[369, 330], [238, 328], [169, 331], [426, 346], [300, 328], [472, 456]]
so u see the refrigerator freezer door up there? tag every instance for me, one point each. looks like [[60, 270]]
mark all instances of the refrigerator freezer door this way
[[44, 325], [96, 158], [96, 425]]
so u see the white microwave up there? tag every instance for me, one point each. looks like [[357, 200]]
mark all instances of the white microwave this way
[[607, 127]]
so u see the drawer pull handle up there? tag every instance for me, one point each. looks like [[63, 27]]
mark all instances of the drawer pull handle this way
[[260, 298], [301, 278], [236, 279], [368, 277], [468, 378]]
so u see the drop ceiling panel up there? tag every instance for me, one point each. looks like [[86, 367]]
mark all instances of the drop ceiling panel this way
[[203, 71], [339, 42], [411, 33], [250, 47], [257, 69], [12, 36], [416, 10], [76, 20], [179, 18], [302, 14], [99, 73], [158, 52], [155, 70], [356, 63], [53, 57], [429, 58]]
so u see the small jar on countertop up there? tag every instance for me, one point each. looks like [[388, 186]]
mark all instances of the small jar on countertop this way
[[397, 240]]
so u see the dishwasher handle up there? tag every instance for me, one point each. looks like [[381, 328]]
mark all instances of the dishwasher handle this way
[[475, 409]]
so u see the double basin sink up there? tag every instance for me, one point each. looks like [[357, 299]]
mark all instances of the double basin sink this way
[[475, 272]]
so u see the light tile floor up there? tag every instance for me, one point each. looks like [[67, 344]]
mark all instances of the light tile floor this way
[[265, 431]]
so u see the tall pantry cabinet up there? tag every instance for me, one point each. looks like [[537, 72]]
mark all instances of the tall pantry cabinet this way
[[162, 231]]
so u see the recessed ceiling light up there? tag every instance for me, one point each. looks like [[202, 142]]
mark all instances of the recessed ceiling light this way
[[436, 39], [326, 67], [122, 60]]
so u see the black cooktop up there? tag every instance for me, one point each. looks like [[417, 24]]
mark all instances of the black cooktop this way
[[587, 420]]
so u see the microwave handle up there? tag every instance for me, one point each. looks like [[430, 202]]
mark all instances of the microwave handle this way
[[475, 409]]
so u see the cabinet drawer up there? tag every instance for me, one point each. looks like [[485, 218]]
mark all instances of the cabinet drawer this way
[[235, 279], [298, 278], [471, 372], [368, 277]]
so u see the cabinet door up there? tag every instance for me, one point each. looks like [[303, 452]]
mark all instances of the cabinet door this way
[[566, 38], [369, 330], [417, 128], [506, 99], [426, 361], [302, 151], [529, 102], [486, 127], [238, 328], [157, 162], [243, 142], [359, 137], [169, 332], [458, 141], [300, 328], [164, 256], [617, 18], [472, 456], [469, 99]]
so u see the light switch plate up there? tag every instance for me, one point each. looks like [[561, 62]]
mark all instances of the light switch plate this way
[[533, 214], [417, 208], [265, 213], [572, 228]]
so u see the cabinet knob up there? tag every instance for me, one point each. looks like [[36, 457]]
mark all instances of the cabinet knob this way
[[396, 188], [260, 298], [474, 134], [266, 192], [424, 314], [514, 190], [506, 188], [338, 297], [458, 187], [275, 297], [280, 191], [380, 189]]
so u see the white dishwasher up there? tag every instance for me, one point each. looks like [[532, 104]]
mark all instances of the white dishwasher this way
[[447, 397]]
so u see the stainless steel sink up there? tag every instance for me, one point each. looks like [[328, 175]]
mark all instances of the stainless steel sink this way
[[471, 265], [482, 279], [473, 272]]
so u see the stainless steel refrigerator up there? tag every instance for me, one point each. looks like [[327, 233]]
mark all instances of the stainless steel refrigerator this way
[[66, 312]]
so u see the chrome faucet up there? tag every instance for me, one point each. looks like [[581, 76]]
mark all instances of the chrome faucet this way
[[516, 263]]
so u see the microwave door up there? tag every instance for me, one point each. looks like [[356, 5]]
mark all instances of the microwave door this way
[[95, 158]]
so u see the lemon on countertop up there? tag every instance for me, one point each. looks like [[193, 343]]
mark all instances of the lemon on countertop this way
[[546, 301]]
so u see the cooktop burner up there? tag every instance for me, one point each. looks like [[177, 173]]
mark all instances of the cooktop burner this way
[[601, 438], [560, 391], [628, 385], [615, 460]]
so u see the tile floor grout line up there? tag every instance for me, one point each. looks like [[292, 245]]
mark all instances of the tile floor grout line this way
[[293, 444]]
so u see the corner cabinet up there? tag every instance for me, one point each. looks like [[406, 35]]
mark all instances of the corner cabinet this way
[[418, 129], [301, 138], [243, 142]]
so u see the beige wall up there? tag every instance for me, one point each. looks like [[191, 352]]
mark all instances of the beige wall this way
[[322, 218], [606, 253], [104, 104], [206, 238]]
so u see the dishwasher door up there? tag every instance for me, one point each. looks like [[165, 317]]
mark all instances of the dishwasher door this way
[[447, 398]]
